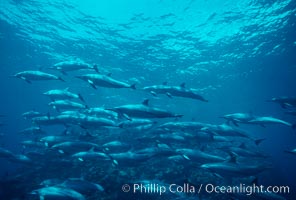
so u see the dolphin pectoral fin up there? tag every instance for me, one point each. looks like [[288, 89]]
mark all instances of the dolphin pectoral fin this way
[[28, 81], [259, 141], [81, 98], [218, 175], [235, 123], [80, 159], [153, 93], [92, 84], [186, 157], [169, 95], [64, 73], [41, 197], [60, 78]]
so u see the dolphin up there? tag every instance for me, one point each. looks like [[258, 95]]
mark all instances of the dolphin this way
[[116, 146], [199, 156], [104, 81], [236, 118], [102, 112], [231, 168], [243, 151], [74, 146], [63, 94], [72, 65], [285, 102], [143, 111], [170, 91], [31, 143], [183, 126], [55, 192], [135, 123], [90, 156], [293, 151], [31, 114], [225, 130], [270, 120], [82, 186], [32, 130], [29, 76], [95, 122], [66, 104], [54, 139]]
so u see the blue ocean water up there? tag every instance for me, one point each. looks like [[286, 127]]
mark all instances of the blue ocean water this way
[[237, 54]]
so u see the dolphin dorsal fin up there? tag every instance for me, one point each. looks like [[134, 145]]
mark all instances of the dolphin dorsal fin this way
[[182, 85], [145, 102], [92, 149], [165, 83], [255, 181], [233, 158]]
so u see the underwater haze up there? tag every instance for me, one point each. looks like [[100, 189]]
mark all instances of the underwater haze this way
[[105, 99]]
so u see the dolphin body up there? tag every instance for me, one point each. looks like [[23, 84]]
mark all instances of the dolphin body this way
[[75, 146], [63, 94], [170, 91], [90, 156], [55, 192], [225, 130], [29, 76], [199, 156], [293, 151], [104, 81], [236, 118], [31, 114], [183, 126], [231, 168], [143, 111], [116, 146], [284, 101], [72, 65], [66, 104], [78, 184], [270, 120]]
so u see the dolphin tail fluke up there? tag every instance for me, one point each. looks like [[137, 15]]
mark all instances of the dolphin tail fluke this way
[[81, 98], [133, 86], [259, 141], [61, 79]]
